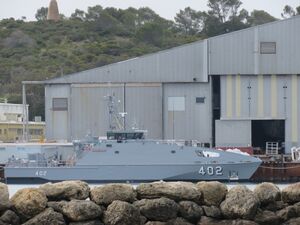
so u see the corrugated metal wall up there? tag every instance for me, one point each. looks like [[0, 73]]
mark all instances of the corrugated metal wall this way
[[89, 108], [232, 53], [195, 122], [239, 52], [187, 63], [233, 133], [57, 122], [263, 97], [144, 107]]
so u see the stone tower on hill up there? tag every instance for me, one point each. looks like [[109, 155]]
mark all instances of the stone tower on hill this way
[[53, 13]]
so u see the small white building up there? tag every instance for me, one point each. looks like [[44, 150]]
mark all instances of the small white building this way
[[11, 112]]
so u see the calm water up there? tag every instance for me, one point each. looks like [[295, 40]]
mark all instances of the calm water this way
[[13, 188]]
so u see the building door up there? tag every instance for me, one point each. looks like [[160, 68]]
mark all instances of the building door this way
[[264, 131]]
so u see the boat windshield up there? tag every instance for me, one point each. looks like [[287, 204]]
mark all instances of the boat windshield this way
[[125, 135]]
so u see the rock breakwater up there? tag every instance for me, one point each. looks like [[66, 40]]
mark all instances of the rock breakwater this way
[[158, 203]]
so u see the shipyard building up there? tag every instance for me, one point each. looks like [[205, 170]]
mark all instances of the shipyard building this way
[[235, 90]]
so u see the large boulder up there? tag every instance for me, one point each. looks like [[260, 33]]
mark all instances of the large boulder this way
[[244, 222], [190, 211], [213, 192], [291, 194], [294, 221], [267, 218], [177, 191], [210, 221], [29, 202], [57, 206], [162, 209], [212, 211], [4, 197], [287, 213], [106, 194], [93, 222], [297, 208], [47, 217], [81, 210], [66, 190], [267, 193], [122, 213], [275, 206], [240, 202], [155, 223], [10, 217], [178, 221]]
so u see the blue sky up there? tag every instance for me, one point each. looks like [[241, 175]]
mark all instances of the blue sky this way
[[165, 8]]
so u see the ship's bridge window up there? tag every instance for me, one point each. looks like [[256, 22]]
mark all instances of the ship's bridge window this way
[[124, 135]]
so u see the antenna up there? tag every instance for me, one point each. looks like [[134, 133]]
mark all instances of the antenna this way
[[116, 119]]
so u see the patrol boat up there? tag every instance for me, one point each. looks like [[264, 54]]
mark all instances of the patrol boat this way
[[126, 156]]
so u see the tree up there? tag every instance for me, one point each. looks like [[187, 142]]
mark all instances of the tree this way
[[78, 14], [224, 16], [146, 15], [105, 23], [288, 11], [41, 14], [189, 21], [224, 9], [151, 33], [94, 13], [258, 17]]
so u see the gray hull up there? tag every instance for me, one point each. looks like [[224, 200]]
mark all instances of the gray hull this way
[[142, 161], [132, 173]]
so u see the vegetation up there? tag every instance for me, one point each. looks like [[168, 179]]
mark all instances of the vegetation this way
[[44, 49]]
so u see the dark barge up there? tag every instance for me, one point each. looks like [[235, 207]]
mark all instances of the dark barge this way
[[279, 168]]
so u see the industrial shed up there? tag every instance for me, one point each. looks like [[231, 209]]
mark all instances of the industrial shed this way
[[235, 90]]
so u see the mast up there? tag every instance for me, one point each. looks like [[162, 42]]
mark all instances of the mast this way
[[116, 119]]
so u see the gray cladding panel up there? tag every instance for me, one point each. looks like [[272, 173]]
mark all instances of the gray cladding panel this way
[[233, 133], [274, 100], [144, 108], [195, 121], [232, 53], [239, 52], [90, 108], [286, 35], [181, 64], [250, 98], [57, 122]]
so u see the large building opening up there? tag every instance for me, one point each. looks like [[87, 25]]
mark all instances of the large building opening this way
[[216, 104], [272, 131]]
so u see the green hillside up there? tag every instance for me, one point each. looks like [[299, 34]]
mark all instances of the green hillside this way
[[44, 49]]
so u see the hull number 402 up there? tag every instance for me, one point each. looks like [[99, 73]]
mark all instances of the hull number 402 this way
[[210, 170]]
